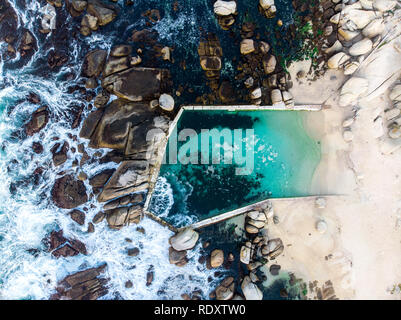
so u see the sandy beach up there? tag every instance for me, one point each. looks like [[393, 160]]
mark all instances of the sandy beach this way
[[359, 252]]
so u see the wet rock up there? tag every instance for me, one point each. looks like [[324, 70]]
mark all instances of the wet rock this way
[[78, 216], [269, 64], [99, 217], [184, 240], [68, 192], [224, 8], [247, 46], [216, 258], [226, 92], [123, 201], [37, 147], [83, 285], [63, 247], [104, 13], [56, 59], [38, 121], [93, 63], [225, 290], [149, 278], [178, 258], [79, 5], [91, 228], [89, 23], [60, 154], [28, 43], [121, 51], [131, 176], [251, 290], [210, 63], [128, 284], [120, 217], [116, 64], [136, 84], [8, 21], [133, 252], [246, 253], [101, 99], [166, 102], [100, 179]]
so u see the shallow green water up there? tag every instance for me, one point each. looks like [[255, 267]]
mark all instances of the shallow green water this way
[[284, 157]]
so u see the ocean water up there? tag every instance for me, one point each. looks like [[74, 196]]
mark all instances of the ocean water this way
[[284, 160], [27, 214]]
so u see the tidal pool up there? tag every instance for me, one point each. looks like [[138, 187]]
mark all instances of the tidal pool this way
[[284, 159]]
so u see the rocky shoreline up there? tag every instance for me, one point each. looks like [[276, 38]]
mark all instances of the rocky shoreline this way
[[127, 99]]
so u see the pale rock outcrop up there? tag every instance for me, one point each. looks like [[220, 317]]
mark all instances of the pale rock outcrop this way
[[184, 240], [352, 90], [337, 60], [351, 67], [276, 96], [336, 47], [360, 18], [392, 113], [361, 47], [348, 136], [374, 28], [224, 8], [251, 290], [347, 34], [395, 93], [266, 4], [166, 102], [384, 5], [256, 93], [321, 226]]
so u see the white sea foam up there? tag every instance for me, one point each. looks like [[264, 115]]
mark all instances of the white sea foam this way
[[27, 215]]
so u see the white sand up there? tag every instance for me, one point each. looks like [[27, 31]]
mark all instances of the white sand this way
[[360, 252]]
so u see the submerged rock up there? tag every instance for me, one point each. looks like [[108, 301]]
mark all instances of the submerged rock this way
[[93, 63], [69, 192]]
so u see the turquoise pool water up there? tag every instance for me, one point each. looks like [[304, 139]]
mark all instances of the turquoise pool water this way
[[284, 160]]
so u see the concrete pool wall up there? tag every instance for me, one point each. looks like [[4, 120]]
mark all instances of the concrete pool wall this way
[[232, 213]]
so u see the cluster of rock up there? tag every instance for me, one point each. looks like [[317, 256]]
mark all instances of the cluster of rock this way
[[225, 12], [59, 246], [393, 115], [96, 13], [358, 26], [254, 253], [259, 63], [184, 240], [83, 285], [210, 53]]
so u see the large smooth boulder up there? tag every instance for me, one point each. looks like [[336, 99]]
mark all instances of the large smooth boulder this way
[[337, 60], [251, 290], [374, 28], [247, 46], [269, 64], [68, 192], [131, 176], [384, 5], [93, 63], [361, 47], [216, 258], [136, 84], [104, 13], [184, 240], [361, 18], [224, 8], [122, 216], [352, 90], [38, 121], [166, 102]]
